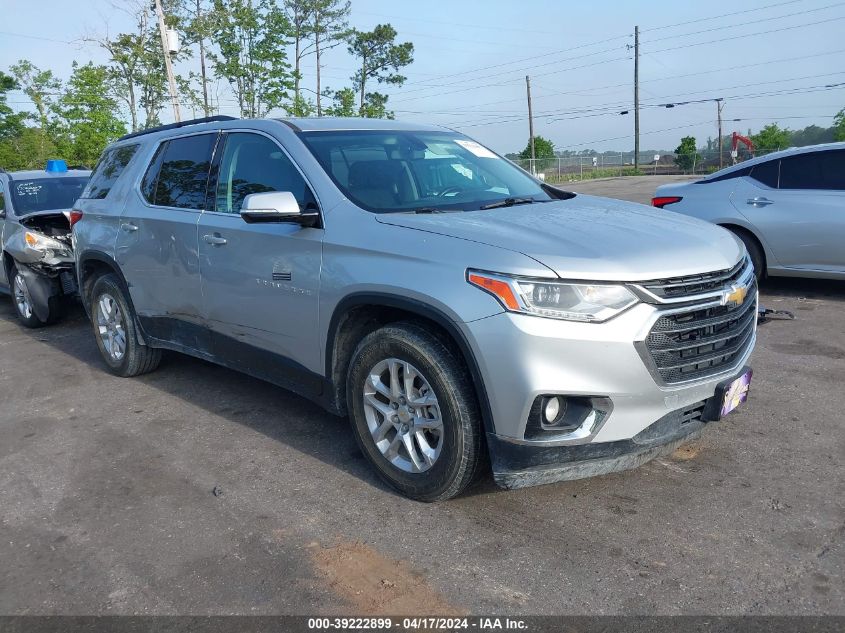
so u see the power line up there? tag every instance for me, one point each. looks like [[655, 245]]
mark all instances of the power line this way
[[723, 15], [737, 37], [765, 32], [734, 26]]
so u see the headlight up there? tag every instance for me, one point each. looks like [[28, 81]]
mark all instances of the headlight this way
[[46, 245], [559, 300]]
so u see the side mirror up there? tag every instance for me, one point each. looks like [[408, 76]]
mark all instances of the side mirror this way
[[276, 206], [2, 213]]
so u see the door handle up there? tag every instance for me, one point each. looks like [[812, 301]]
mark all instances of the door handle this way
[[759, 202], [129, 227], [214, 240]]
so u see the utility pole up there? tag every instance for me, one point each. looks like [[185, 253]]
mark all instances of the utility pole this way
[[636, 98], [719, 105], [530, 125], [168, 66]]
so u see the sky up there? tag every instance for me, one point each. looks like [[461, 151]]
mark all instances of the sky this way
[[769, 60]]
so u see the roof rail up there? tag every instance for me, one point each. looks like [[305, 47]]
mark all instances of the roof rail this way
[[173, 126]]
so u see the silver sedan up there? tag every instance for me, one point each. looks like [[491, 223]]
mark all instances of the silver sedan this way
[[787, 207]]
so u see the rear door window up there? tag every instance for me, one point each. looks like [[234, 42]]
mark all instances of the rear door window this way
[[108, 170], [766, 173], [178, 174], [816, 170]]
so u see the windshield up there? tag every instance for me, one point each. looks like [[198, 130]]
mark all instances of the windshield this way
[[393, 171], [45, 194]]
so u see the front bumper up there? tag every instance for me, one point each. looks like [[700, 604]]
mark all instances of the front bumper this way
[[522, 357]]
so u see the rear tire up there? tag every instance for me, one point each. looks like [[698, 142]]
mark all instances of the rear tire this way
[[755, 252], [414, 412], [116, 332]]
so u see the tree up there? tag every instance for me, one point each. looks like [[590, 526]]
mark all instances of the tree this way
[[251, 38], [771, 138], [299, 15], [329, 28], [380, 59], [198, 20], [11, 123], [543, 148], [88, 115], [343, 102], [30, 148], [544, 152], [839, 125], [686, 156], [136, 65], [39, 85]]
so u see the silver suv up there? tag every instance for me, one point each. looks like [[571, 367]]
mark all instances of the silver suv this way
[[407, 276]]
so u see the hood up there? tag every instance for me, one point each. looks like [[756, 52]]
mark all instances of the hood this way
[[591, 238]]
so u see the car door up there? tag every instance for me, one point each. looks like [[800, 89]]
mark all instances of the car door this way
[[797, 203], [812, 188], [157, 242], [260, 281]]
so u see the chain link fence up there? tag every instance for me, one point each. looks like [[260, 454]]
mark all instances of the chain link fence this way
[[611, 164]]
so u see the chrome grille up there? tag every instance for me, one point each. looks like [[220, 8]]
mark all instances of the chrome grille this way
[[694, 285], [702, 340]]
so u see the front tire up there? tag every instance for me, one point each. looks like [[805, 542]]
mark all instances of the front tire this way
[[116, 332], [414, 412], [22, 301], [755, 252]]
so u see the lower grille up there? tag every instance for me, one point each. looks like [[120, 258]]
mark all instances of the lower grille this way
[[702, 341]]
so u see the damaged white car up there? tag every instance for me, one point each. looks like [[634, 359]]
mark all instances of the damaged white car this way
[[35, 237]]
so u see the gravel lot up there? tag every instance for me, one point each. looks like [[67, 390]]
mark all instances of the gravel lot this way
[[108, 504]]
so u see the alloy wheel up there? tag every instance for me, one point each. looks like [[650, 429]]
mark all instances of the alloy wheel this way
[[22, 297], [403, 415], [111, 327]]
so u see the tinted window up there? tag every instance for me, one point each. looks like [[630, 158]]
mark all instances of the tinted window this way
[[732, 174], [45, 194], [2, 198], [254, 164], [395, 171], [178, 174], [766, 173], [817, 170], [108, 170]]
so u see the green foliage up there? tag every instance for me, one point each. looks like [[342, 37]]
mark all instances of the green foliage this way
[[11, 122], [380, 59], [839, 125], [251, 38], [771, 138], [300, 106], [29, 149], [196, 18], [343, 103], [543, 148], [88, 116], [39, 85], [687, 157]]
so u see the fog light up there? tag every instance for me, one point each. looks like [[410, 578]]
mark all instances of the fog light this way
[[552, 409]]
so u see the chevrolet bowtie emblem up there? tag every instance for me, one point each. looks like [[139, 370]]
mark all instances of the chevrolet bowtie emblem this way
[[735, 296]]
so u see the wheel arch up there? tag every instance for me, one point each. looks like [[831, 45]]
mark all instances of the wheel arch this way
[[736, 227], [358, 314], [91, 265]]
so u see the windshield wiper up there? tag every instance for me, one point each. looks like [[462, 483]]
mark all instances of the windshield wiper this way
[[433, 210], [507, 202]]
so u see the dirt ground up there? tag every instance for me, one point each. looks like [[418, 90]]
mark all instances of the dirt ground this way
[[197, 490]]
